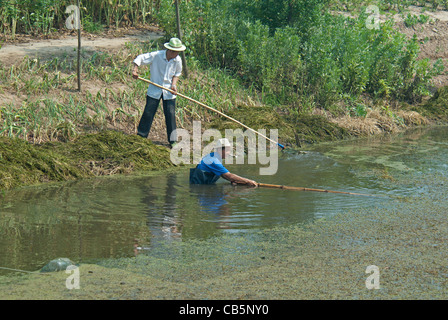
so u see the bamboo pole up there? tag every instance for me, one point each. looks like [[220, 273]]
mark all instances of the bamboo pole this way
[[266, 185], [210, 108]]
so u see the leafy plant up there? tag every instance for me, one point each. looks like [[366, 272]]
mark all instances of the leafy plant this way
[[412, 20], [89, 25]]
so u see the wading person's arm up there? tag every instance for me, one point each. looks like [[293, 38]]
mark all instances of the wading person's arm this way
[[235, 179]]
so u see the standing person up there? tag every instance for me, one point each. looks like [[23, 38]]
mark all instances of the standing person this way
[[210, 169], [165, 68]]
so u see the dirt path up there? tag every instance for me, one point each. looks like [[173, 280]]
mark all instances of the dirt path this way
[[68, 44]]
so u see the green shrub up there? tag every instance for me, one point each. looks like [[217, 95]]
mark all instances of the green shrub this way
[[306, 57], [89, 25], [303, 15]]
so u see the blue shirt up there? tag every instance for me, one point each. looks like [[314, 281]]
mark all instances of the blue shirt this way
[[213, 164]]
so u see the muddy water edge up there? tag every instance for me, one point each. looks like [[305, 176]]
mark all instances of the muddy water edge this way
[[257, 244]]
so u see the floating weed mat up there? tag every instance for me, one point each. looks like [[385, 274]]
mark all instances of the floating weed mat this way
[[104, 153], [315, 128], [197, 260], [112, 152], [254, 117], [22, 163]]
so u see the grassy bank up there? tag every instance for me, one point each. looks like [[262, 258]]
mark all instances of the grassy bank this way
[[50, 132], [335, 83], [40, 102]]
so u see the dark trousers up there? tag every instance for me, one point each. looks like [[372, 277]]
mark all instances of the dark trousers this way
[[198, 176], [169, 109]]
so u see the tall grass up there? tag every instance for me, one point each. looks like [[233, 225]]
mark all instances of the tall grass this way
[[46, 112]]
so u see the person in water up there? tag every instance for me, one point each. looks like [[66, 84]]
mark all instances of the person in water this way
[[210, 169]]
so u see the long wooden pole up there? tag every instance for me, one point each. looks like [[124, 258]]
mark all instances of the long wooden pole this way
[[210, 108], [266, 185]]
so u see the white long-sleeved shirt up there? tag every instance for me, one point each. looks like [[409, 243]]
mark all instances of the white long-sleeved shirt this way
[[162, 72]]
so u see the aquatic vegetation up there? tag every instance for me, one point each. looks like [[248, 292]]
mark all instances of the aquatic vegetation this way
[[256, 117], [104, 153], [326, 259], [310, 129], [405, 237], [292, 129]]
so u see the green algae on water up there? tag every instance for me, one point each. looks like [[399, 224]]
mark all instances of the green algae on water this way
[[325, 259], [104, 153]]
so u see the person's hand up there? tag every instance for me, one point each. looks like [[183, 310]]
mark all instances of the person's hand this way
[[174, 88], [252, 183], [135, 74]]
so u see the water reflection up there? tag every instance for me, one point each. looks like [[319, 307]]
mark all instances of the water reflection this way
[[161, 208], [123, 216], [113, 217], [40, 224], [215, 202], [212, 201]]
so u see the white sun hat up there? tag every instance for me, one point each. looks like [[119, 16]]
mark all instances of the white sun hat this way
[[175, 44], [221, 143]]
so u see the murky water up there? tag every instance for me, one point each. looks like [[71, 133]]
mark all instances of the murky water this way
[[121, 216]]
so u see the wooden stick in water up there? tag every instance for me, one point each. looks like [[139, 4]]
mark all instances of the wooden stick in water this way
[[266, 185]]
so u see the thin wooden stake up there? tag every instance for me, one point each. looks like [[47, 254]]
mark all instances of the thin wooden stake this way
[[179, 35], [79, 48]]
